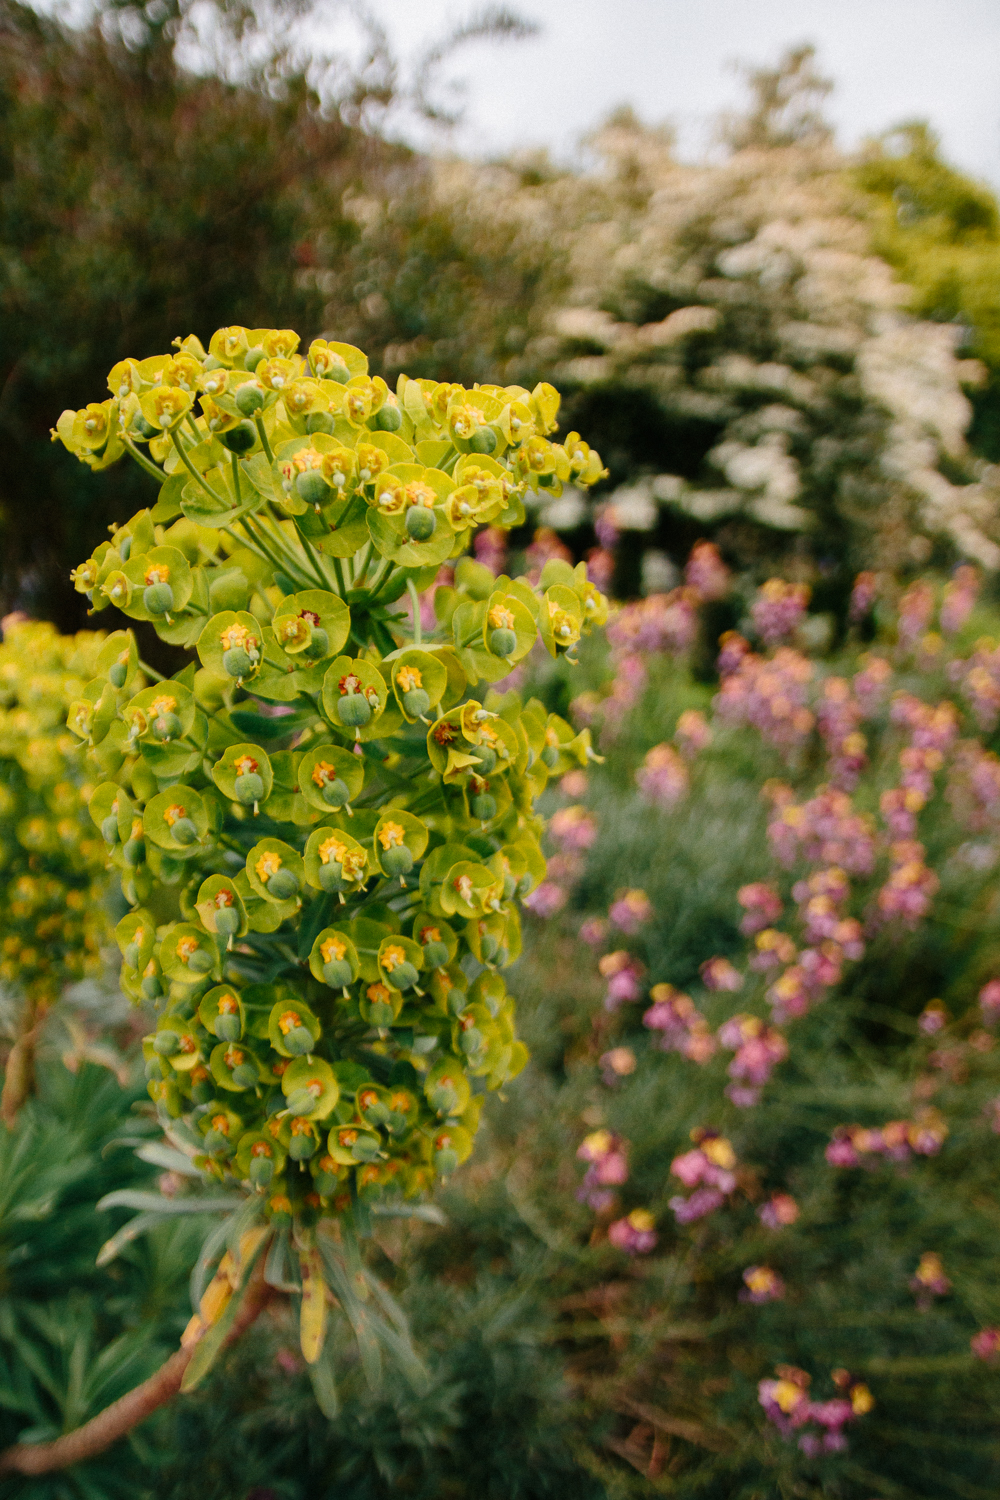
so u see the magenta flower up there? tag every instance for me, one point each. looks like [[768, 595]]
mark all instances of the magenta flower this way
[[719, 974], [706, 573], [546, 899], [779, 609], [635, 1233], [762, 904], [986, 1343], [702, 1202], [779, 1211], [630, 910], [762, 1285], [989, 1000], [662, 777]]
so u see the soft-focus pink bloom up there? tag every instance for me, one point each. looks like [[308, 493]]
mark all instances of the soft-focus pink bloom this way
[[594, 932], [607, 1154], [545, 545], [606, 526], [574, 784], [660, 623], [573, 827], [770, 696], [762, 904], [546, 899], [719, 974], [779, 609], [702, 1202], [490, 547], [624, 976], [758, 1047], [986, 1343], [929, 1280], [693, 733], [932, 1018], [916, 608], [682, 1026], [871, 684], [601, 568], [841, 1153], [635, 1233], [779, 1211], [863, 596], [630, 910], [762, 1285], [706, 573], [662, 777], [734, 647], [989, 1000], [617, 1064]]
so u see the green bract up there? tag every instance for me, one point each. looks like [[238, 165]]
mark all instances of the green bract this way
[[322, 824]]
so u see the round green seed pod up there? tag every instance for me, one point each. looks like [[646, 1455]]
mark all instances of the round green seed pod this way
[[117, 673], [301, 1147], [249, 398], [331, 877], [171, 869], [484, 806], [502, 641], [337, 973], [446, 1160], [134, 853], [489, 947], [166, 727], [184, 832], [200, 961], [283, 885], [109, 832], [227, 1027], [253, 357], [325, 1183], [483, 440], [245, 1075], [319, 421], [435, 955], [353, 710], [405, 976], [125, 548], [131, 955], [237, 662], [421, 523], [335, 793], [381, 1013], [396, 860], [416, 702], [158, 598], [388, 418], [319, 646], [302, 1102], [215, 1141], [457, 1001], [166, 1043], [142, 428], [550, 756], [487, 759], [249, 788], [312, 487], [202, 1091], [227, 921], [261, 1171], [151, 987], [299, 1041], [152, 1068], [239, 439]]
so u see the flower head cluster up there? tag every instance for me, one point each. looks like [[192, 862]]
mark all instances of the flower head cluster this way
[[54, 917], [338, 815], [825, 829], [779, 609], [960, 595], [709, 1170], [770, 695], [706, 573], [907, 894], [680, 1023], [659, 624], [663, 777], [929, 1280], [607, 1157], [758, 1048], [820, 1424], [838, 716], [924, 1135]]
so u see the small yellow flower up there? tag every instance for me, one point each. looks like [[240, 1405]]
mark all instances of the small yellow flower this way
[[393, 957], [332, 949], [267, 865], [391, 836], [409, 678]]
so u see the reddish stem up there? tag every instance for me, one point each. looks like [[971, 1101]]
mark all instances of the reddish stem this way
[[127, 1412]]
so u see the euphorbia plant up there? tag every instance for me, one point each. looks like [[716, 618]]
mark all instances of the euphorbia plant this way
[[325, 822]]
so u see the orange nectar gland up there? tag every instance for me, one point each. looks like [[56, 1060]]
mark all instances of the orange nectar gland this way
[[245, 765], [501, 618], [392, 836], [267, 865], [332, 950], [290, 1021], [366, 1098], [409, 678], [418, 493], [228, 1006], [392, 958]]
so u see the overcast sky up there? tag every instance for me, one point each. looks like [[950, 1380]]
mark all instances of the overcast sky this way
[[891, 60]]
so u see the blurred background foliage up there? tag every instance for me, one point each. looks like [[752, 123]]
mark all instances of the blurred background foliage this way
[[792, 351]]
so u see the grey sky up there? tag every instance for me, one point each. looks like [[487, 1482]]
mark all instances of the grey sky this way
[[891, 60]]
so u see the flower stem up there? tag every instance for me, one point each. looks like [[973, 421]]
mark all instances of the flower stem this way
[[417, 622], [143, 461]]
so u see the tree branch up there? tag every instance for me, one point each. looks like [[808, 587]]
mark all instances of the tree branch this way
[[127, 1412]]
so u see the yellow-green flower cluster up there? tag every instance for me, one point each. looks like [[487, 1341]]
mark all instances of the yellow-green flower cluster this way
[[52, 865], [325, 823]]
